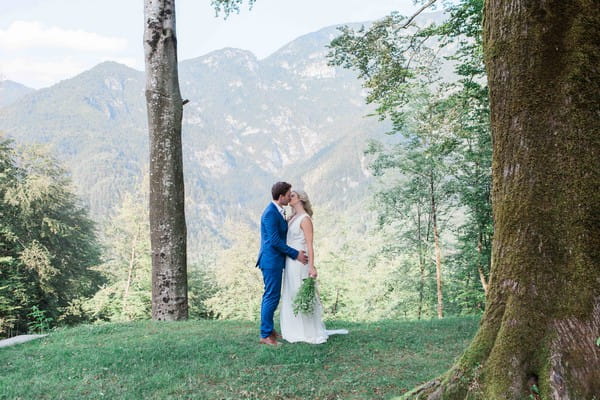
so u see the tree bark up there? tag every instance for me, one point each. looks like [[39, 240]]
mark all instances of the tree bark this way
[[482, 278], [421, 263], [438, 252], [132, 258], [167, 216], [542, 315]]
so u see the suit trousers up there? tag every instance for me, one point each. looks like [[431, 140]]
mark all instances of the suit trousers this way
[[270, 300]]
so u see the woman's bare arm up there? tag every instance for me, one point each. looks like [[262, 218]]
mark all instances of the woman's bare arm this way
[[307, 227]]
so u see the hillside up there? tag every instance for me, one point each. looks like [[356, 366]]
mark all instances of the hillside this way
[[249, 123], [11, 91]]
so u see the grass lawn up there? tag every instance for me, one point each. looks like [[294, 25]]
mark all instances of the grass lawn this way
[[223, 360]]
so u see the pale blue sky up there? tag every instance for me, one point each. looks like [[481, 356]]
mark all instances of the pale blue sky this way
[[45, 41]]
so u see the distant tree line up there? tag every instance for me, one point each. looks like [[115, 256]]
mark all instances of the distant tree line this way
[[58, 267], [434, 199], [48, 245]]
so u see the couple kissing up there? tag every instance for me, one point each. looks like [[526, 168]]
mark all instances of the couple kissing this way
[[286, 258]]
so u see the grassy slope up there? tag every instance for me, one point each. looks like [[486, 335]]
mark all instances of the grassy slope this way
[[223, 360]]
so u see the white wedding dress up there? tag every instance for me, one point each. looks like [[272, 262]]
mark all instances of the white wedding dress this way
[[302, 327]]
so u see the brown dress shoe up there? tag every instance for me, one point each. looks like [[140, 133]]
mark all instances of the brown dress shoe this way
[[269, 341], [275, 335]]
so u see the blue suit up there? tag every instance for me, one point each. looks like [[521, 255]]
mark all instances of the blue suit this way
[[271, 261]]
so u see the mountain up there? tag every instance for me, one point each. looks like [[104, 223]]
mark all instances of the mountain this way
[[248, 123], [94, 122], [10, 91]]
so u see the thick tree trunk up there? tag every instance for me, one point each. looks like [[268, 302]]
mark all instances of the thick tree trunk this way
[[167, 217], [543, 308]]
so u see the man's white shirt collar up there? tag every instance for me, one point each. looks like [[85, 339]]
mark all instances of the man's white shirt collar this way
[[278, 207]]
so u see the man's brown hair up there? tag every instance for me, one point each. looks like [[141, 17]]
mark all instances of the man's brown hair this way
[[280, 189]]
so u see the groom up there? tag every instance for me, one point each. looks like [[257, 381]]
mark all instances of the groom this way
[[271, 257]]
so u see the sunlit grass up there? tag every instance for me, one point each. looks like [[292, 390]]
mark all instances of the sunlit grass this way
[[223, 360]]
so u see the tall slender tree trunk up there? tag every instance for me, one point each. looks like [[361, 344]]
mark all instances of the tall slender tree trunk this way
[[438, 252], [482, 278], [542, 314], [167, 216], [132, 257], [421, 263], [481, 234]]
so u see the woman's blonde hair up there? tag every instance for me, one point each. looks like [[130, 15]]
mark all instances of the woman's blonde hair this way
[[305, 201]]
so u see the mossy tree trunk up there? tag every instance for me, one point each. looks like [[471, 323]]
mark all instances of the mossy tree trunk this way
[[542, 315], [167, 216]]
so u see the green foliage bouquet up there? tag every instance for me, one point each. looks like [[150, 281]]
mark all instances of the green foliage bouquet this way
[[306, 298]]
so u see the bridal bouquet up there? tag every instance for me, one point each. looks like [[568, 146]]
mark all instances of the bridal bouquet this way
[[305, 299]]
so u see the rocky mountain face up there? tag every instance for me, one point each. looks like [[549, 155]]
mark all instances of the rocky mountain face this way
[[248, 123]]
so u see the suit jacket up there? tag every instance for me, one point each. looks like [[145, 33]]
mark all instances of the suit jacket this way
[[273, 233]]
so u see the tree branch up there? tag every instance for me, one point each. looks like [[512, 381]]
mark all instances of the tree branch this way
[[429, 4]]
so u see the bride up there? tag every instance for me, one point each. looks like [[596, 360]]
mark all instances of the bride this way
[[302, 327]]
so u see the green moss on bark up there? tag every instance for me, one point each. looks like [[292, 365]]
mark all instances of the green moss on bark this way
[[543, 307]]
